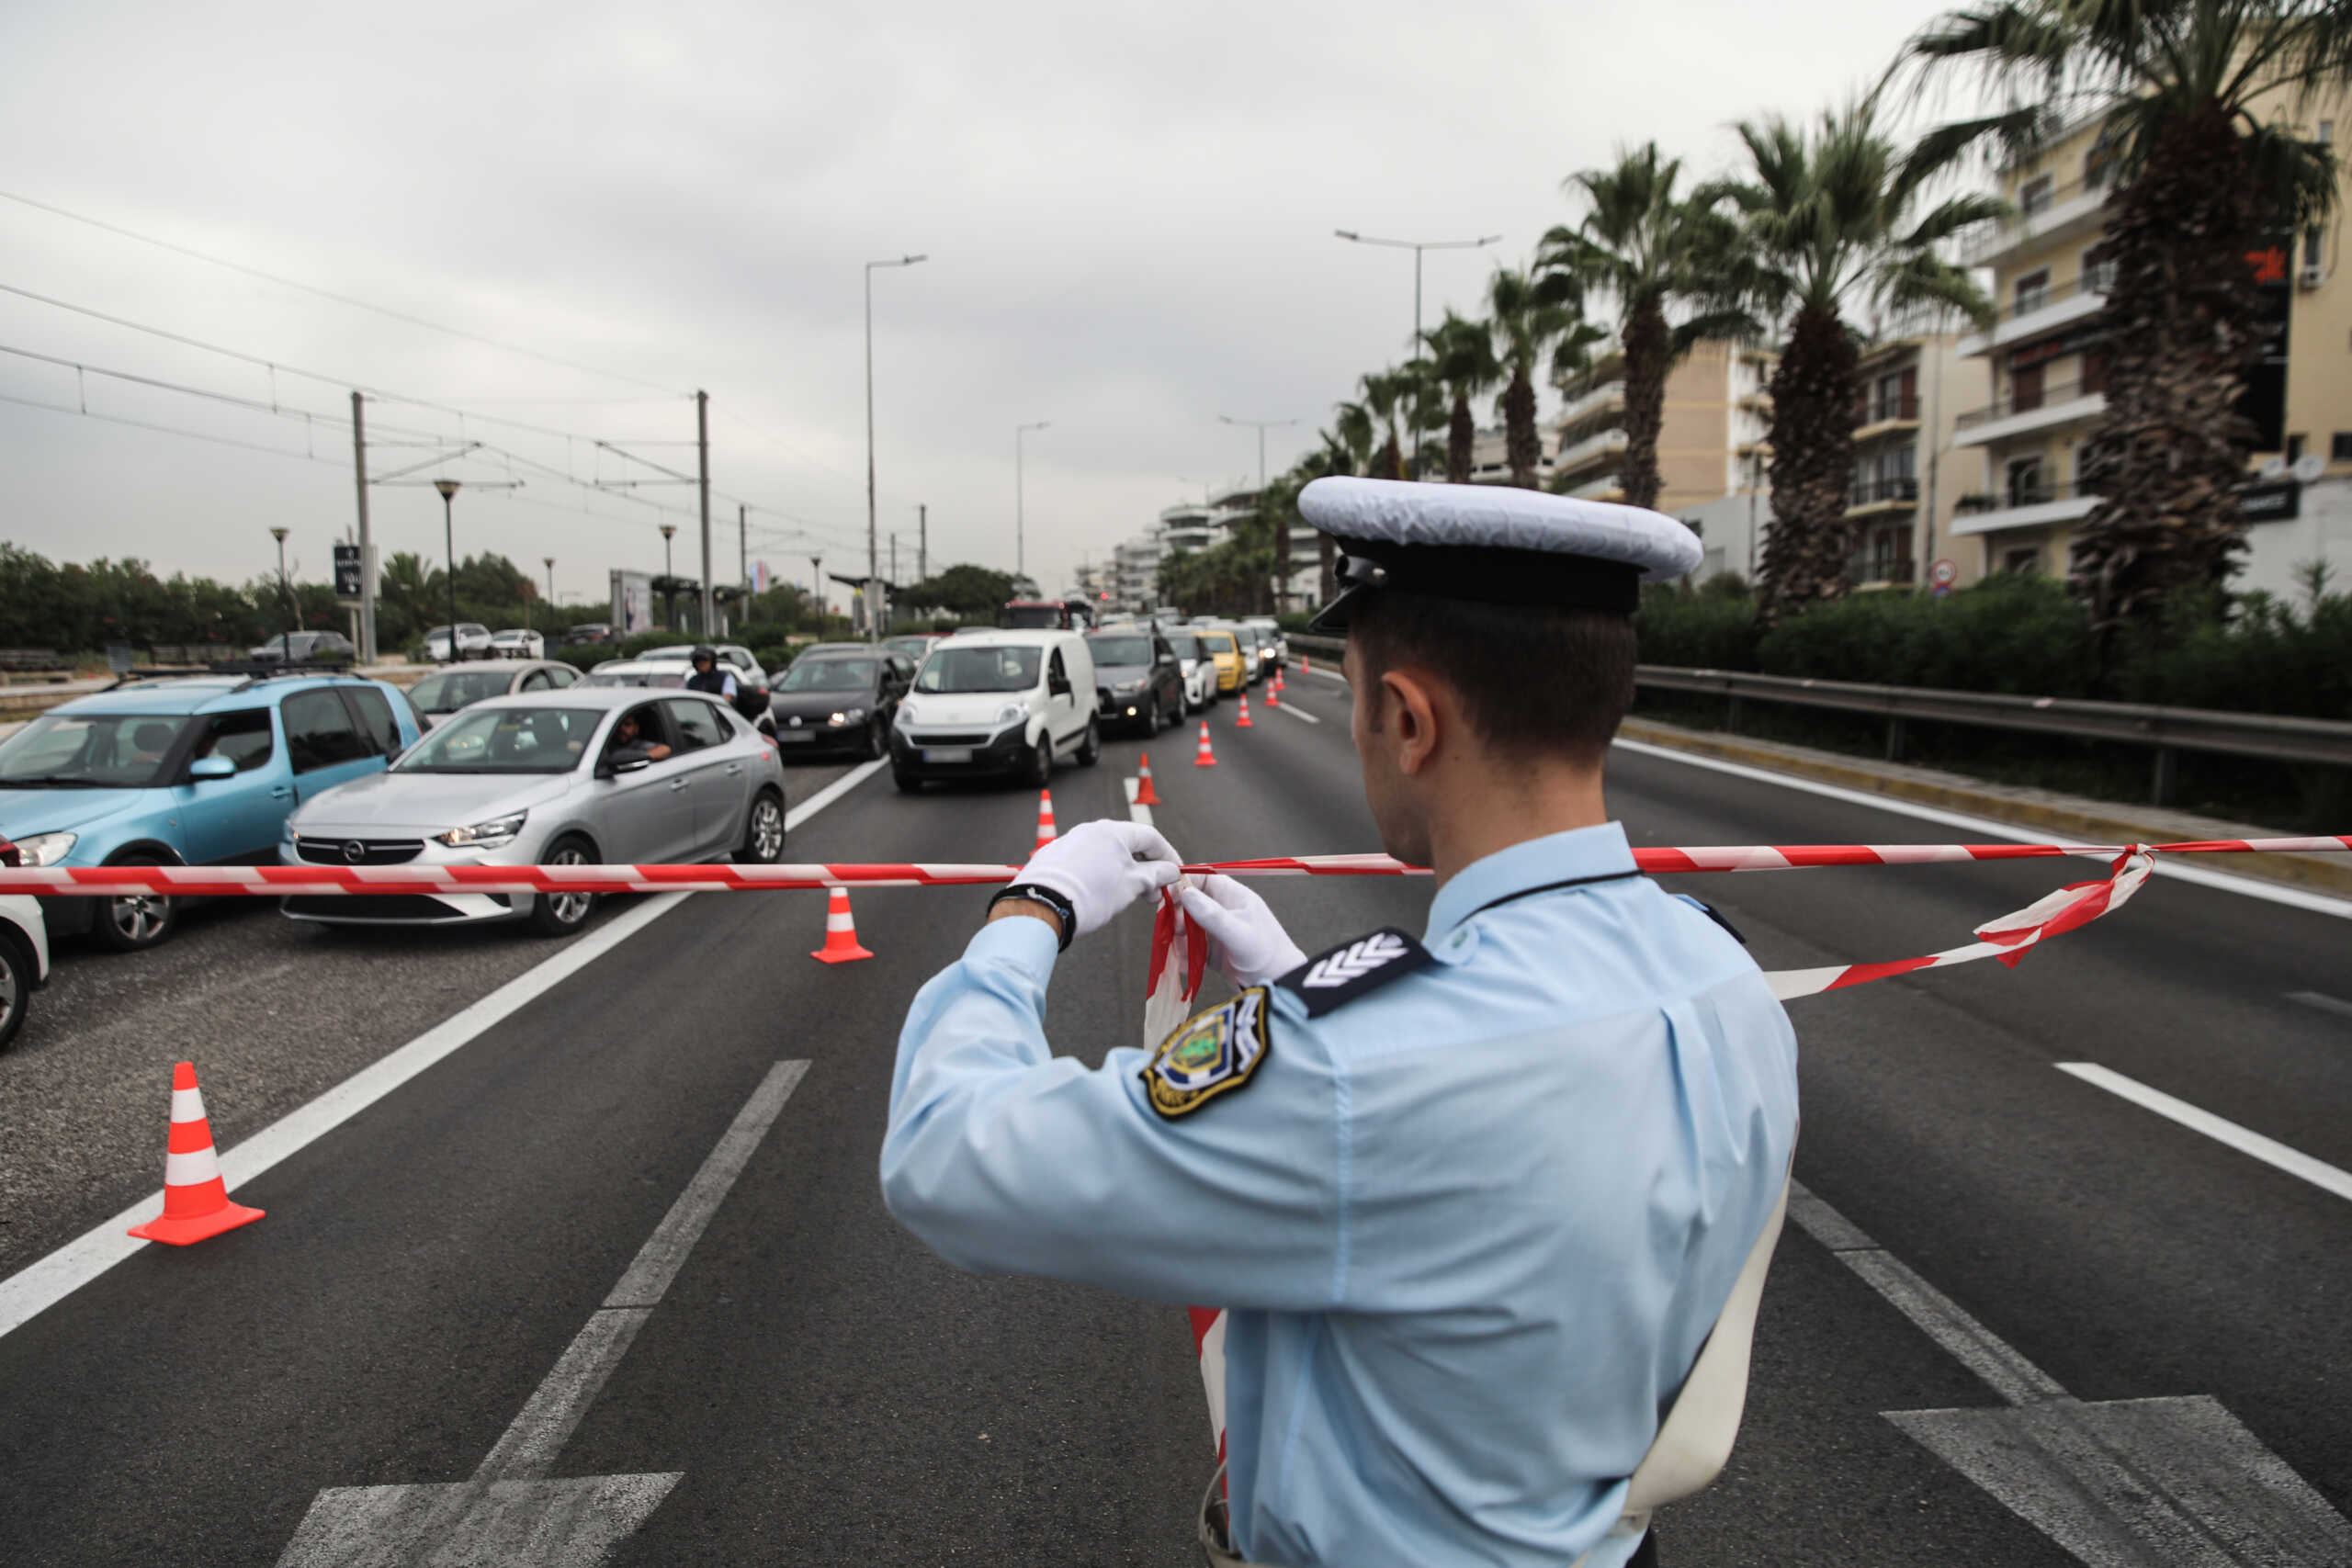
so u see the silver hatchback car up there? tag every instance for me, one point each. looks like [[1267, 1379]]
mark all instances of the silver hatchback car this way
[[590, 775]]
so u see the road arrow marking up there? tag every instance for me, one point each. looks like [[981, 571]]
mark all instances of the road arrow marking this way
[[510, 1513], [2174, 1483]]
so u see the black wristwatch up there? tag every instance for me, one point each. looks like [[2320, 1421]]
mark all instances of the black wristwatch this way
[[1052, 900]]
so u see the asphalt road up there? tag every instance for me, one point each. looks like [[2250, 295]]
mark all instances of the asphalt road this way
[[827, 1391]]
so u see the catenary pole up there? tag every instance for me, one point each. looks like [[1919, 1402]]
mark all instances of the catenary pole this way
[[367, 540], [701, 448], [923, 543]]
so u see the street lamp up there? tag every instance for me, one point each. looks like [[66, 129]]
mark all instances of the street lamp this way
[[1417, 247], [550, 563], [286, 646], [1020, 562], [873, 545], [448, 489], [669, 600]]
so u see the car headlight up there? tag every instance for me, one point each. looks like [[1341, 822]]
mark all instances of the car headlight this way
[[489, 835], [1010, 712], [1129, 688], [906, 715], [45, 849], [847, 716]]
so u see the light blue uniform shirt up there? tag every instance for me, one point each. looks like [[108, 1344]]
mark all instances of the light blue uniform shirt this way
[[1471, 1227]]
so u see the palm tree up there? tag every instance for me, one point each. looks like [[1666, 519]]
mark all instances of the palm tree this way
[[2182, 90], [1387, 394], [1828, 219], [1527, 316], [1651, 254], [1461, 360], [1347, 449]]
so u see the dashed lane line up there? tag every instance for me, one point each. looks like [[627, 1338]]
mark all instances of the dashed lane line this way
[[2323, 1001], [42, 1284], [1295, 711], [2269, 1151]]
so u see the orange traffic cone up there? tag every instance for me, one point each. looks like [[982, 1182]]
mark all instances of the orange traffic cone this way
[[1274, 692], [1243, 722], [1205, 758], [196, 1199], [1145, 794], [1305, 665], [1045, 818], [841, 931]]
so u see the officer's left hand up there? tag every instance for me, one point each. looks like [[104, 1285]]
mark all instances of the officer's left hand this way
[[1102, 867], [1252, 946]]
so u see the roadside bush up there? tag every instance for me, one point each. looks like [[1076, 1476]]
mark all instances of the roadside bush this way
[[2012, 634], [2268, 658], [586, 655], [1700, 631]]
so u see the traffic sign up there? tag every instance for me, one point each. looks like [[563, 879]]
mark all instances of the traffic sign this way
[[1941, 576], [346, 572]]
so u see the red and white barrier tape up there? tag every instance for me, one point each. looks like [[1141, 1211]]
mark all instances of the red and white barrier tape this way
[[271, 881]]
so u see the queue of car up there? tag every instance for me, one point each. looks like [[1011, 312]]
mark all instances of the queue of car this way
[[532, 761]]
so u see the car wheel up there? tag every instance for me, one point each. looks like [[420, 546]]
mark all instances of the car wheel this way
[[907, 783], [138, 920], [1089, 750], [870, 746], [16, 988], [1153, 721], [763, 833], [561, 914], [1041, 760]]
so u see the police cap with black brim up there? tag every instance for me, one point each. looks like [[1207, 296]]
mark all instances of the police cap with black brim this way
[[1492, 544]]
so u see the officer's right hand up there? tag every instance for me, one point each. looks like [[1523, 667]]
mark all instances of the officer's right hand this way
[[1102, 867], [1252, 946]]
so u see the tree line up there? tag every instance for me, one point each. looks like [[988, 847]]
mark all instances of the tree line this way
[[1837, 218]]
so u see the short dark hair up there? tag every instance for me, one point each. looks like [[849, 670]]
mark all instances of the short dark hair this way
[[1532, 681]]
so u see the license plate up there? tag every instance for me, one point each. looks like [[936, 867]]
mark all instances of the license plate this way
[[947, 753], [788, 735]]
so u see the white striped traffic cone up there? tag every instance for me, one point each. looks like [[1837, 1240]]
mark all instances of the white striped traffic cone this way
[[196, 1199], [841, 931], [1205, 758], [1145, 794], [1243, 722], [1045, 818]]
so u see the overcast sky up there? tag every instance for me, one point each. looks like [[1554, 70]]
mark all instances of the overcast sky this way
[[1128, 210]]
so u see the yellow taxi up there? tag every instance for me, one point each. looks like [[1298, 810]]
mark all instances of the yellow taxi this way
[[1222, 647]]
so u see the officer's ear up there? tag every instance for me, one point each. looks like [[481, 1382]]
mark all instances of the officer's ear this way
[[1405, 711]]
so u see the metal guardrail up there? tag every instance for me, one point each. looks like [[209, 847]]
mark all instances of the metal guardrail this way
[[2168, 730]]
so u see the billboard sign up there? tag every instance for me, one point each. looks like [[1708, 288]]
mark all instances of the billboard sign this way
[[632, 606]]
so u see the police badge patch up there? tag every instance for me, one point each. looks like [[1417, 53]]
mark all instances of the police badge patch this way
[[1209, 1054]]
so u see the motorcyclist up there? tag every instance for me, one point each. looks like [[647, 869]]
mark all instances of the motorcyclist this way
[[709, 676]]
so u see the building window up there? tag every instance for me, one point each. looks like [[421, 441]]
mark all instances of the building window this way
[[2327, 131], [2024, 562], [2024, 476], [2035, 195], [2032, 291], [2099, 276], [2295, 445], [2339, 446], [2310, 247], [2095, 362], [2025, 387]]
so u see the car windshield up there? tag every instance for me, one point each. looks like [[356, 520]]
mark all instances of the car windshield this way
[[1186, 645], [1005, 668], [1035, 617], [829, 675], [682, 651], [604, 677], [1218, 642], [453, 689], [504, 740], [115, 750], [913, 647], [1120, 650]]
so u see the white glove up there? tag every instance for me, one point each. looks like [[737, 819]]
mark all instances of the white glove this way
[[1251, 947], [1102, 867]]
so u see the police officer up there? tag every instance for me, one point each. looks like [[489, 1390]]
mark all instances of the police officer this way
[[1472, 1201], [709, 677]]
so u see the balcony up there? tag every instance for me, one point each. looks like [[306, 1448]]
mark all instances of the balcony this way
[[2023, 503], [2066, 213], [2061, 403], [1868, 569], [1609, 487], [1608, 398], [1877, 496], [1593, 449], [1885, 416], [2035, 314]]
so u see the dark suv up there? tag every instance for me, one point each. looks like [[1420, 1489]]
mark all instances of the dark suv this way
[[1138, 682]]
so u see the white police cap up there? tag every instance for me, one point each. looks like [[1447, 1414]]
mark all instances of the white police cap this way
[[1492, 544]]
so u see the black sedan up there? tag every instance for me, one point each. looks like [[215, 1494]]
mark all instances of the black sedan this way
[[839, 697], [1138, 682]]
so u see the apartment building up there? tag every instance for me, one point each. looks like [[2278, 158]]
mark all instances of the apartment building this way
[[1715, 420], [1915, 385], [2047, 358]]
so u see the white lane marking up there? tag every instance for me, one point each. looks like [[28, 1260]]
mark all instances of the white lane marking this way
[[47, 1280], [1136, 810], [509, 1512], [2172, 1483], [2273, 893], [2323, 1001], [2269, 1151], [1295, 711]]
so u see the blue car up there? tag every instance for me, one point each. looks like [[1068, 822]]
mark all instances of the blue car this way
[[200, 770]]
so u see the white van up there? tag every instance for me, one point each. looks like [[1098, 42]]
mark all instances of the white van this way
[[996, 702]]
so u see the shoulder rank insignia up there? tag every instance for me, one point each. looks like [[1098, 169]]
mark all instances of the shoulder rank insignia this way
[[1209, 1054], [1351, 969]]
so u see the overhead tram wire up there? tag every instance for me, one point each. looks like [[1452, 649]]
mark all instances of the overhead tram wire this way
[[347, 299]]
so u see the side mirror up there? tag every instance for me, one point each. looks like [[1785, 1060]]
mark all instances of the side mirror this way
[[211, 768], [627, 765]]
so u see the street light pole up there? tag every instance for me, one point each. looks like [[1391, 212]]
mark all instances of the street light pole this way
[[448, 489], [1417, 247], [873, 545], [286, 594], [669, 599], [550, 565], [1020, 549]]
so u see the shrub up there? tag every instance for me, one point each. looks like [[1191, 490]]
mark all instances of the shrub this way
[[1703, 630], [2012, 634]]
